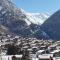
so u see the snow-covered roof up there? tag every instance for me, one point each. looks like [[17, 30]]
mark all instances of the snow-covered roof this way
[[55, 51], [25, 47], [29, 49], [48, 55], [56, 58], [40, 51], [43, 46], [5, 57], [34, 47], [18, 56], [54, 45], [16, 36], [35, 59], [44, 56]]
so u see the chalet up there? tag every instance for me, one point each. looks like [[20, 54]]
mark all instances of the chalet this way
[[45, 57], [11, 57], [56, 58], [56, 53], [40, 52]]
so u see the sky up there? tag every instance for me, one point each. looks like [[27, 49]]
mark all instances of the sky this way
[[38, 5]]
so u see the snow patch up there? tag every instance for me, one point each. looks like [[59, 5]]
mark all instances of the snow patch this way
[[0, 7]]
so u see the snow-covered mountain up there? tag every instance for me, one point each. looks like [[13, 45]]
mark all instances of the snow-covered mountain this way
[[17, 21], [36, 18], [25, 24]]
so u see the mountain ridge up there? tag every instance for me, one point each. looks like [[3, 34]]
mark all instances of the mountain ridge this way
[[52, 26], [15, 21]]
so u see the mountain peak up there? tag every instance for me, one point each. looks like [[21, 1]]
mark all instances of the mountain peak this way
[[36, 18]]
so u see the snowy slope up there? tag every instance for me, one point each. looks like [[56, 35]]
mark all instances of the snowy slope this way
[[36, 18]]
